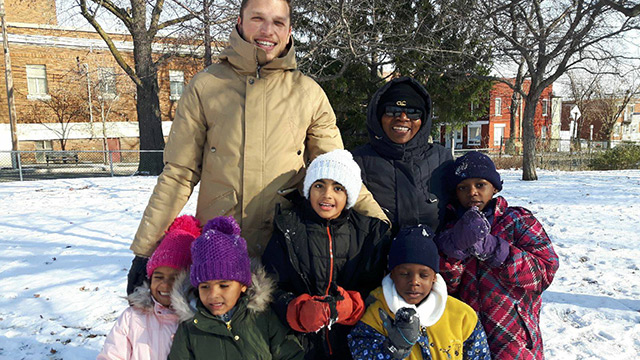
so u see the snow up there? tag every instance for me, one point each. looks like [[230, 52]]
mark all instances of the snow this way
[[66, 255]]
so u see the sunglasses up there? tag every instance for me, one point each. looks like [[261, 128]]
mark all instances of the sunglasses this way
[[396, 111]]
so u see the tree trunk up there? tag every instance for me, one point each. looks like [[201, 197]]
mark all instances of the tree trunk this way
[[148, 111], [529, 139], [207, 33]]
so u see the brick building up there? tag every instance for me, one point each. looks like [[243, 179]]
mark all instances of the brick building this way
[[60, 73], [585, 122], [493, 125]]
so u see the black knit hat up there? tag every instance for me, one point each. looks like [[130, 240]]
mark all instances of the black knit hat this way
[[475, 165], [401, 95], [414, 245]]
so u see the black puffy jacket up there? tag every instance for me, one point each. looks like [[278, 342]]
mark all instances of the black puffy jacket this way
[[298, 258], [407, 180]]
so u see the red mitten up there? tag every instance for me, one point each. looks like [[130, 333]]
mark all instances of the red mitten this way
[[351, 308], [306, 314]]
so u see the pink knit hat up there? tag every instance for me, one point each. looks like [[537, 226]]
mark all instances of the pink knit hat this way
[[174, 250], [220, 253]]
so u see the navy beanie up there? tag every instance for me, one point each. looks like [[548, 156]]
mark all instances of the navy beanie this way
[[414, 245], [475, 165], [402, 95]]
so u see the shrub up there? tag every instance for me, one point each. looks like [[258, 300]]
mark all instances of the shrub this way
[[626, 156]]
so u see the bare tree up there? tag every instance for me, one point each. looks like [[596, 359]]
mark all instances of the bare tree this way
[[142, 20], [552, 38], [602, 101], [64, 105], [626, 7], [514, 107], [213, 21]]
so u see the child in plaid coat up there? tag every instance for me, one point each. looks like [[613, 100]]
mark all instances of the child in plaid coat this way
[[496, 258]]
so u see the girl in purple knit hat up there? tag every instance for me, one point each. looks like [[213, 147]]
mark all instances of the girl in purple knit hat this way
[[496, 258], [145, 330], [229, 315]]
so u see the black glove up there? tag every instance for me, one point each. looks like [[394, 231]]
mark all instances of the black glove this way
[[137, 273], [403, 332]]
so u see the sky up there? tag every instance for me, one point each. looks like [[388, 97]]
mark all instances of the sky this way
[[66, 255]]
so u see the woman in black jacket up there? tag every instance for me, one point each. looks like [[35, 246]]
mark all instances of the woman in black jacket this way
[[403, 171]]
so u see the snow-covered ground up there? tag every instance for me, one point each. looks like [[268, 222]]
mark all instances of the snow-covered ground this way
[[65, 258]]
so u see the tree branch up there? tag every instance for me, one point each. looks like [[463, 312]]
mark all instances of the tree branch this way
[[107, 39]]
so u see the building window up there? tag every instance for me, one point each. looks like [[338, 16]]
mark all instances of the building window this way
[[472, 107], [498, 134], [37, 81], [545, 105], [629, 112], [474, 134], [176, 79], [498, 109], [107, 82], [543, 132]]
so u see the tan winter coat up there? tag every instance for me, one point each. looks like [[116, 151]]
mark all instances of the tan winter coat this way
[[246, 133]]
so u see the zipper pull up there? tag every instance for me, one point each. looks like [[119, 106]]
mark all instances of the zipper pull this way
[[228, 323]]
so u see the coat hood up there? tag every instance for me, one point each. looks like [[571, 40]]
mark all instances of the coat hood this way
[[141, 298], [184, 296], [377, 137], [244, 57]]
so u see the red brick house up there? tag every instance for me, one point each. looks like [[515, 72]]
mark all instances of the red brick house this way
[[490, 131]]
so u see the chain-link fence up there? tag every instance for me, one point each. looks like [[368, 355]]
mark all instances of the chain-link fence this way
[[551, 154], [50, 164]]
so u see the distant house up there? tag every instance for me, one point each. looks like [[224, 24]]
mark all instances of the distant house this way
[[47, 59], [585, 122], [491, 130]]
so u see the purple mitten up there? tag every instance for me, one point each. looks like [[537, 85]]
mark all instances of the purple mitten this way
[[470, 229], [492, 250]]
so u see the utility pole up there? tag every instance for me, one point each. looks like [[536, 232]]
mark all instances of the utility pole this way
[[9, 81], [86, 69]]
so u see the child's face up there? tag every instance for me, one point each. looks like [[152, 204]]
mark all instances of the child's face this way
[[162, 283], [475, 192], [413, 282], [220, 296], [328, 198]]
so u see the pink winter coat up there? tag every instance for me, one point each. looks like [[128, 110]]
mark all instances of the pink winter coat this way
[[144, 331]]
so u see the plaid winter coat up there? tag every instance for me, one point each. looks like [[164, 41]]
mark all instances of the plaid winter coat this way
[[508, 297]]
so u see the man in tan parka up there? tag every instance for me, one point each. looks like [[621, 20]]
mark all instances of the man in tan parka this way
[[245, 128]]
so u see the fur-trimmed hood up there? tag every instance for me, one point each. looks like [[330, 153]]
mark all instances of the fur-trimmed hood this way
[[142, 300], [184, 296]]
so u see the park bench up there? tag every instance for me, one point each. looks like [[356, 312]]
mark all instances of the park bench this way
[[61, 157]]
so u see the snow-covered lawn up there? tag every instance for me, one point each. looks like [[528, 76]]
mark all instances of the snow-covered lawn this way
[[65, 258]]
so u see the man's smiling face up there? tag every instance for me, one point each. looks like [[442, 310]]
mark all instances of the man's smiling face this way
[[267, 25]]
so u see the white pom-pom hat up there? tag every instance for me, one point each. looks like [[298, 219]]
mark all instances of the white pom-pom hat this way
[[339, 166]]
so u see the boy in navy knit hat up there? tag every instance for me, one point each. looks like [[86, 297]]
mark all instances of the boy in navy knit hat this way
[[411, 315], [325, 257], [496, 258], [232, 318]]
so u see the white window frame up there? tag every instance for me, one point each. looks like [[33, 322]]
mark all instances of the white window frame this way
[[543, 132], [469, 139], [107, 81], [629, 112], [37, 86], [176, 81], [545, 107], [496, 140], [498, 107], [458, 136]]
